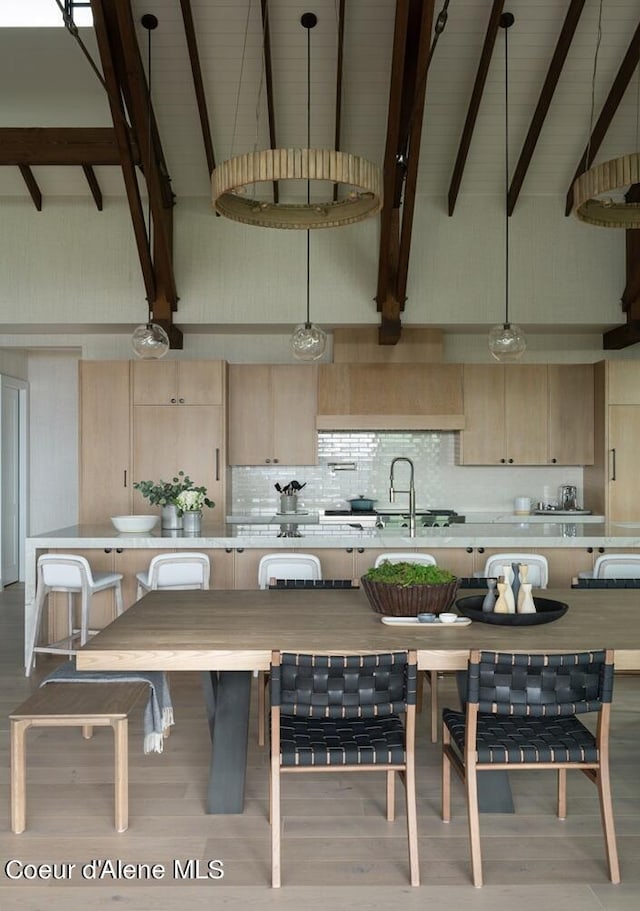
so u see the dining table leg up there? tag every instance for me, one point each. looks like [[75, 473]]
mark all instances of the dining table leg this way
[[227, 697], [494, 787]]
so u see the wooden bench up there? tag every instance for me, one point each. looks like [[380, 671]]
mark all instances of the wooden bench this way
[[84, 705]]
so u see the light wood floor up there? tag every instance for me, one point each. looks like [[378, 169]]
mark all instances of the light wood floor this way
[[337, 847]]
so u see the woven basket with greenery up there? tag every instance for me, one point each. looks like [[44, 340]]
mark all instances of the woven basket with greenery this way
[[409, 589]]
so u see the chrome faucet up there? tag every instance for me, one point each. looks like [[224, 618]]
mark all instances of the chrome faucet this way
[[411, 491]]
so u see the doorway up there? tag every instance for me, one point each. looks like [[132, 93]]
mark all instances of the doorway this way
[[13, 478]]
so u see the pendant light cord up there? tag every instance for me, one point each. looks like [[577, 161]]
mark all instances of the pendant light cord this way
[[308, 27], [149, 22], [506, 174]]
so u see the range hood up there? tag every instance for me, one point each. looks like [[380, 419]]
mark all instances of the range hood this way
[[390, 397], [390, 422]]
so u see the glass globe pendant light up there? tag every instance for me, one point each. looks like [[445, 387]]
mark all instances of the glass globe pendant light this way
[[308, 342], [507, 341], [149, 340]]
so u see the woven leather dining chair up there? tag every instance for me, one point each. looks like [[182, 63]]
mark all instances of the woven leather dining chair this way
[[336, 713], [521, 713]]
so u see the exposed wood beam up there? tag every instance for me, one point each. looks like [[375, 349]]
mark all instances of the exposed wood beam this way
[[268, 79], [474, 104], [393, 176], [631, 293], [423, 42], [32, 186], [555, 68], [94, 186], [126, 157], [620, 83], [337, 136], [410, 60], [60, 146], [133, 84], [622, 336], [198, 85]]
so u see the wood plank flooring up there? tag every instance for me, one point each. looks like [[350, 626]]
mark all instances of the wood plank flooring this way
[[337, 848]]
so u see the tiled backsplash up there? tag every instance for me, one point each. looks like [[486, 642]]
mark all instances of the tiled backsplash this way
[[439, 482]]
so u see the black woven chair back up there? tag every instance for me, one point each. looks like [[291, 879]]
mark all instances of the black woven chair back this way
[[343, 686], [605, 583], [314, 584], [540, 685]]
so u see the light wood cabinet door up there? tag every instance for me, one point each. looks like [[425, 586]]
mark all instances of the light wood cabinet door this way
[[623, 382], [177, 382], [623, 448], [571, 414], [483, 437], [525, 414], [105, 478], [187, 438], [272, 412], [505, 410]]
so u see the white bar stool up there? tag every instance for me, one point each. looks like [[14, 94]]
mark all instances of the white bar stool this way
[[175, 572], [72, 574]]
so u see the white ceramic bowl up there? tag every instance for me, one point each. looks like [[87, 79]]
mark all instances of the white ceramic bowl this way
[[448, 618], [135, 524]]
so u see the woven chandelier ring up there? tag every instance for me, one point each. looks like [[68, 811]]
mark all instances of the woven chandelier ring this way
[[231, 178], [615, 175]]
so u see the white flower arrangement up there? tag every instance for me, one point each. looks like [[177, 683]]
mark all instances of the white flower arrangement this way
[[191, 500]]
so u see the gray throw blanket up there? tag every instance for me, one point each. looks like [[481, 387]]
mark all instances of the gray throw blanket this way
[[158, 713]]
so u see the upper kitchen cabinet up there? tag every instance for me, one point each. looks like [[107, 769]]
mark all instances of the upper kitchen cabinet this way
[[390, 397], [528, 414], [189, 438], [571, 414], [272, 414], [105, 482], [611, 486], [178, 382]]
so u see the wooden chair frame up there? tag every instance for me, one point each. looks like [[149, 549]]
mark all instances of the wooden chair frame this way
[[467, 766], [406, 770]]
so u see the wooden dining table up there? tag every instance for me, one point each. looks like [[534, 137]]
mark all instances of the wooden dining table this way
[[230, 634]]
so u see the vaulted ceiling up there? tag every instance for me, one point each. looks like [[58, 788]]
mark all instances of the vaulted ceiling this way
[[416, 86]]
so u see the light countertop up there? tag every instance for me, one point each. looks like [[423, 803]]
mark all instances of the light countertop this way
[[491, 534]]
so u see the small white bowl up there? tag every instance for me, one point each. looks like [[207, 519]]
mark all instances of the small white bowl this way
[[448, 618], [134, 524]]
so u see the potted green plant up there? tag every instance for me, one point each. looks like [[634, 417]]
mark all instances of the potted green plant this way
[[165, 494], [408, 589]]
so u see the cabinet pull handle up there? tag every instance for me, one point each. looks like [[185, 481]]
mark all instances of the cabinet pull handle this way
[[181, 401], [240, 550], [589, 550], [173, 401], [268, 461], [349, 550], [217, 464], [107, 550], [613, 464], [276, 461], [119, 550], [125, 478], [469, 550], [481, 550], [361, 550]]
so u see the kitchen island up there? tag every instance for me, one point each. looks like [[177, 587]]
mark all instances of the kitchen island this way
[[345, 552]]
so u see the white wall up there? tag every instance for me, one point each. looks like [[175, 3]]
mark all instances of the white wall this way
[[53, 463], [76, 269]]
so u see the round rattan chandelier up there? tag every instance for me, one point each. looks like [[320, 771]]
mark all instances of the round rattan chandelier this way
[[360, 179], [599, 194]]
